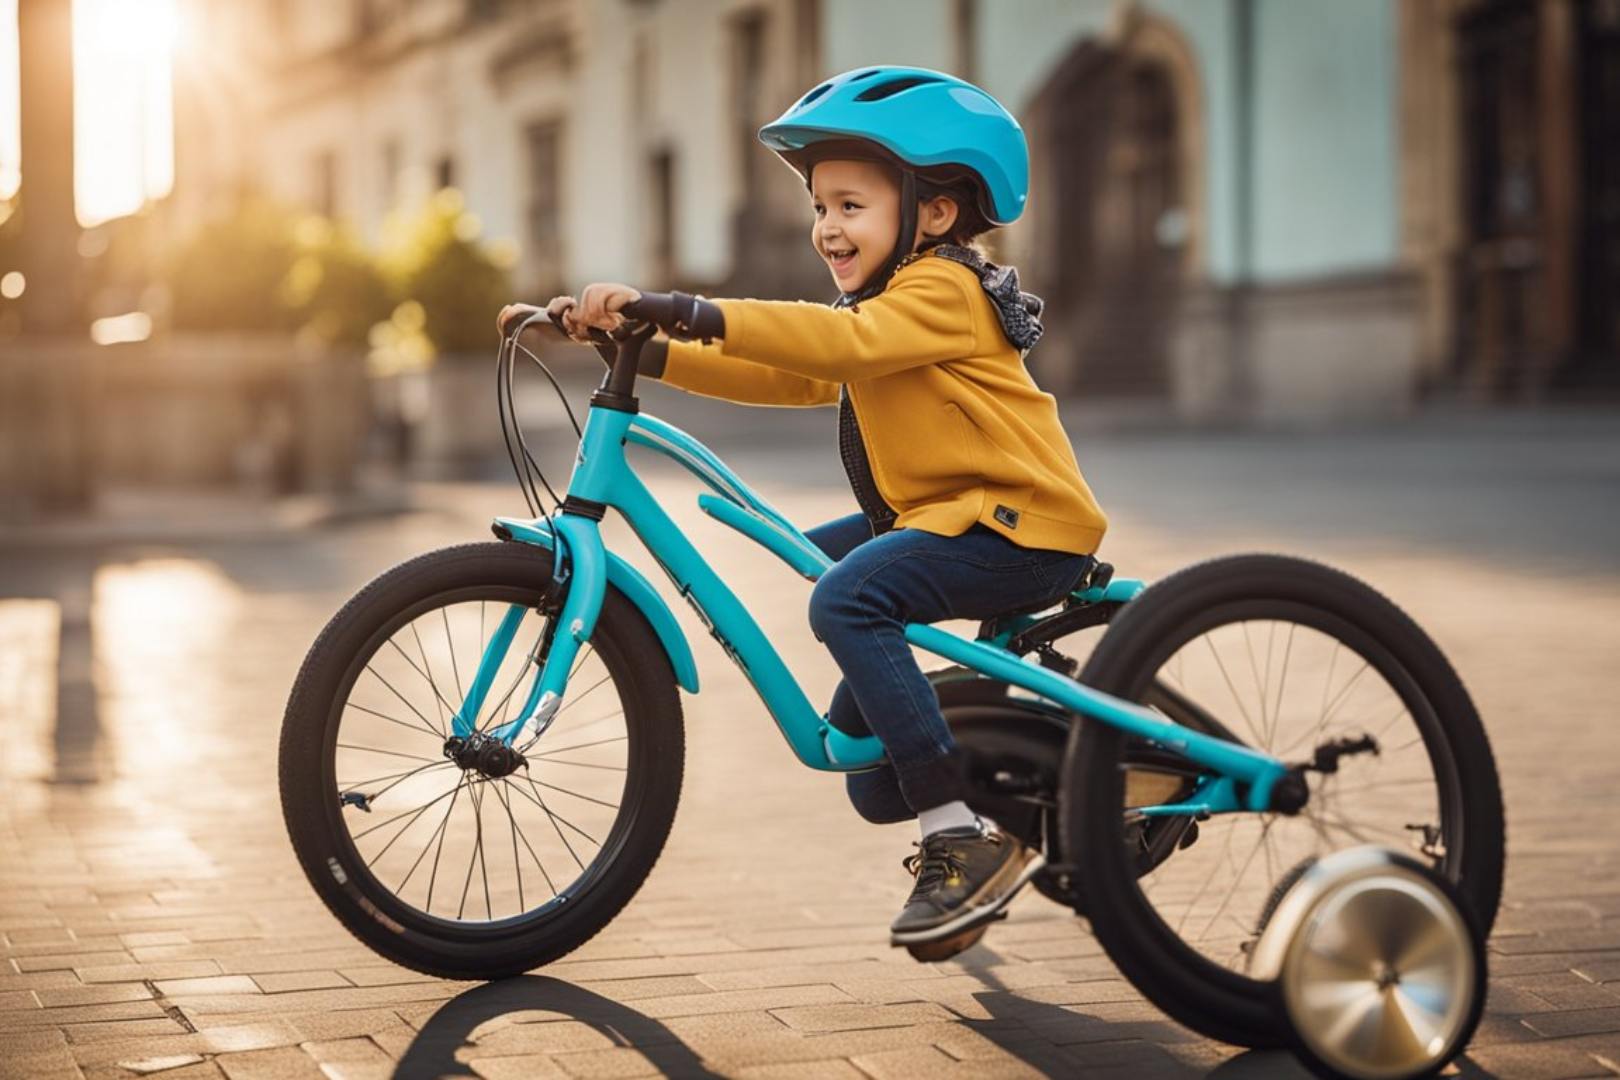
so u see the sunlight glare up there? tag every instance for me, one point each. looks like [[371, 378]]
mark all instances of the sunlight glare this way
[[122, 84]]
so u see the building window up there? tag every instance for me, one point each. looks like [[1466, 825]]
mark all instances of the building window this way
[[542, 150], [747, 98]]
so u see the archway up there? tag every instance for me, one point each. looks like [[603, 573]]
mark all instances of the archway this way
[[1118, 225]]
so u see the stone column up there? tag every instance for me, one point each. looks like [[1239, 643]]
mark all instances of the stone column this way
[[43, 373]]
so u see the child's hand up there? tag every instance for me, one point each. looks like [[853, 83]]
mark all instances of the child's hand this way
[[512, 314], [600, 303]]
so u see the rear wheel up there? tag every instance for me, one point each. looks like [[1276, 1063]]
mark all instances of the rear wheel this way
[[1287, 656], [475, 865]]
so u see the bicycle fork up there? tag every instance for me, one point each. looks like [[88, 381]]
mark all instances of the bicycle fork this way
[[580, 573]]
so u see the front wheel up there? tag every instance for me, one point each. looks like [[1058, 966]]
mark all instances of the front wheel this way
[[464, 865], [1287, 656]]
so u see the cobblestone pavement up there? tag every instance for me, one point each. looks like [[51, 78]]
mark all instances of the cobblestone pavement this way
[[154, 920]]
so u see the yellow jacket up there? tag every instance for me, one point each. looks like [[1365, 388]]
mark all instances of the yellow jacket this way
[[955, 429]]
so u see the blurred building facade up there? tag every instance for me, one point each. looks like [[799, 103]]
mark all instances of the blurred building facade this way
[[1272, 209]]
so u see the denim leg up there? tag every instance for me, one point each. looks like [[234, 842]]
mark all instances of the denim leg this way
[[860, 607], [840, 536]]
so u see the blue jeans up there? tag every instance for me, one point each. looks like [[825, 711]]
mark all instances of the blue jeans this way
[[859, 609]]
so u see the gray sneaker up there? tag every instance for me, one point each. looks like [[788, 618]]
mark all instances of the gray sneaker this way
[[965, 877]]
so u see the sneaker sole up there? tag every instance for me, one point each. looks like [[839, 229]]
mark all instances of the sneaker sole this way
[[974, 916]]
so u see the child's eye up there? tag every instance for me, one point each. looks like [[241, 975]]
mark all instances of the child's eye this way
[[851, 206], [820, 209]]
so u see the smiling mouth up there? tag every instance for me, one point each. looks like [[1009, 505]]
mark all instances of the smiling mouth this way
[[841, 258]]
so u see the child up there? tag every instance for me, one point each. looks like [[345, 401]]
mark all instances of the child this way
[[972, 504]]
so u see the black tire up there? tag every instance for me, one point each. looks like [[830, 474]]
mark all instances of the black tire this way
[[1209, 997], [654, 752]]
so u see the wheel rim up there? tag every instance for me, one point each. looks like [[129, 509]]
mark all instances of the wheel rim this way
[[1379, 978], [443, 846], [1213, 896]]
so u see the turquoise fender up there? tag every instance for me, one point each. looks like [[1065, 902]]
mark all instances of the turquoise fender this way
[[628, 580]]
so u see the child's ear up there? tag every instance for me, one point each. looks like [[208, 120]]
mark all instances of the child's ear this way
[[937, 215]]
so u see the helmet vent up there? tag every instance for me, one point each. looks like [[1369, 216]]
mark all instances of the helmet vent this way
[[812, 95], [867, 74], [895, 86]]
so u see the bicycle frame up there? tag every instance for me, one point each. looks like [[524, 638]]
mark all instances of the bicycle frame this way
[[603, 475]]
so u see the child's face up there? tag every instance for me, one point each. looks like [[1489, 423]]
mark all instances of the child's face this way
[[857, 206]]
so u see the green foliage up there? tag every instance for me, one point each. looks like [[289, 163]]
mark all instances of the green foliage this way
[[434, 287], [334, 285], [228, 275], [434, 258]]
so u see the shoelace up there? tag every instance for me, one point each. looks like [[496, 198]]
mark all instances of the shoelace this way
[[934, 862]]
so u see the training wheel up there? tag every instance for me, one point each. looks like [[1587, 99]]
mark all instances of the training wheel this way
[[1379, 968]]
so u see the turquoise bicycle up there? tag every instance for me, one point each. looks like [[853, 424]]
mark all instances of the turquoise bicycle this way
[[482, 754]]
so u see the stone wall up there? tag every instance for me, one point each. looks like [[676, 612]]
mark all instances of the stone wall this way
[[183, 410]]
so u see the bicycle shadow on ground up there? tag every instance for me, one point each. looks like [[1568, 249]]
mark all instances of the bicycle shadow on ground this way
[[450, 1031], [1063, 1041]]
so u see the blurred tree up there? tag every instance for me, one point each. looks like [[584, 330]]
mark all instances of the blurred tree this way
[[265, 268], [434, 257], [229, 274], [334, 284]]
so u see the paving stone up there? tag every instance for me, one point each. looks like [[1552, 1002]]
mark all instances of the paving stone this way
[[186, 969], [517, 1067], [1534, 1061], [1579, 1022], [122, 1029], [283, 1063], [159, 1064], [855, 1017], [210, 984], [59, 961], [299, 980], [833, 1069]]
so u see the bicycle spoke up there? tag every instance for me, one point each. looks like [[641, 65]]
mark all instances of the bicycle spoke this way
[[356, 785], [433, 877], [427, 668], [517, 865], [1282, 683], [583, 764], [444, 617], [439, 702], [1237, 879], [427, 724], [390, 753], [435, 835], [541, 803], [582, 746], [524, 836], [575, 794], [1209, 639], [381, 824]]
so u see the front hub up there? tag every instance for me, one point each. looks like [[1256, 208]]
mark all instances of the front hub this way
[[483, 754]]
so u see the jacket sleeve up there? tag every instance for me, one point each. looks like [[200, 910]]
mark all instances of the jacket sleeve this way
[[705, 369], [924, 317]]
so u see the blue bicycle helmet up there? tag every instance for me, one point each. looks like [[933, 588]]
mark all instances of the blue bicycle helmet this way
[[925, 119]]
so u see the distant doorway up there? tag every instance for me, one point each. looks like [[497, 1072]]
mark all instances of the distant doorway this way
[[1112, 240]]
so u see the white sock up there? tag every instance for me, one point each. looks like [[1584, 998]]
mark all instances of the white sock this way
[[952, 815]]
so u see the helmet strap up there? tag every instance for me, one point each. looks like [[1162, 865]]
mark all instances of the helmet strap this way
[[902, 243]]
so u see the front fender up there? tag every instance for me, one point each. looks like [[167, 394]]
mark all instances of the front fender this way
[[628, 580]]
